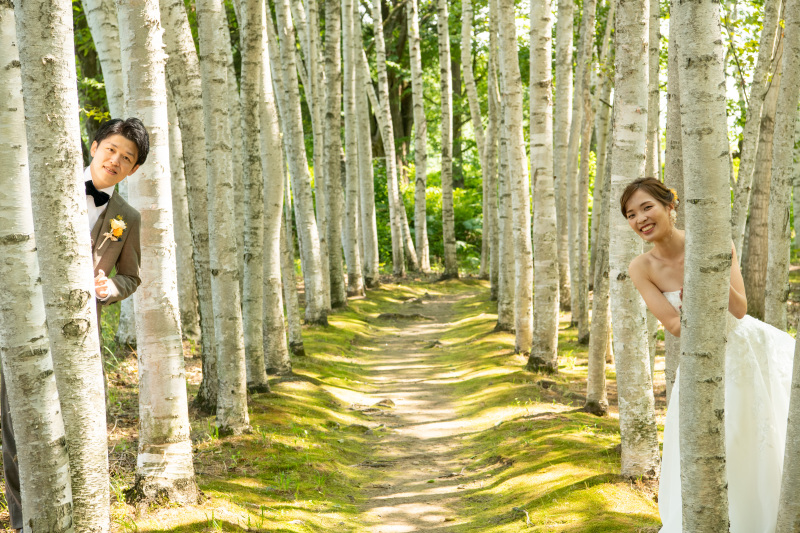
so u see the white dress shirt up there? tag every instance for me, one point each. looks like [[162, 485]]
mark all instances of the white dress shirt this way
[[94, 211]]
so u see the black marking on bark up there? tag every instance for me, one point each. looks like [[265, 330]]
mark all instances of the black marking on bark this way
[[15, 238], [75, 328], [77, 299], [214, 271], [622, 276], [720, 414]]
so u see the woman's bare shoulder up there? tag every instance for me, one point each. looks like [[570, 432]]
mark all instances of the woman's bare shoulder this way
[[640, 264]]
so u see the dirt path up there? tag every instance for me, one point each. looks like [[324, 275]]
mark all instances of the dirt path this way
[[420, 457]]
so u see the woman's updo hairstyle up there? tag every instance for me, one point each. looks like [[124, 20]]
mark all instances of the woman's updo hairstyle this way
[[654, 188]]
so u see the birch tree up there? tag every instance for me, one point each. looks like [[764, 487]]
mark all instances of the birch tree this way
[[596, 396], [544, 350], [518, 172], [366, 186], [333, 148], [759, 87], [288, 276], [789, 507], [164, 467], [652, 165], [273, 166], [47, 59], [232, 414], [183, 72], [580, 218], [706, 268], [673, 178], [351, 52], [187, 288], [253, 306], [561, 128], [490, 180], [28, 381], [298, 169], [446, 91], [420, 136], [780, 229], [640, 455]]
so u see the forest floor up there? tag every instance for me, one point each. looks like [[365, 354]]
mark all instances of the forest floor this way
[[409, 413]]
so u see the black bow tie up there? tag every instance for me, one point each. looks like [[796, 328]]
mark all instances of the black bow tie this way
[[100, 198]]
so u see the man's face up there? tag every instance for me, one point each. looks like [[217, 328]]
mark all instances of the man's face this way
[[113, 160]]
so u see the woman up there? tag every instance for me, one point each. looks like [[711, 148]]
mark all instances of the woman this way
[[758, 369]]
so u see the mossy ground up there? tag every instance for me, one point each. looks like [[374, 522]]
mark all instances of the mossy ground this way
[[526, 447]]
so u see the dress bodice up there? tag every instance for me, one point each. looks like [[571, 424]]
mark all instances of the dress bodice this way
[[674, 298]]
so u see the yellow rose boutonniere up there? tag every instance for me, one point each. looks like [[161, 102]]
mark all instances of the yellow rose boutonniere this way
[[117, 228]]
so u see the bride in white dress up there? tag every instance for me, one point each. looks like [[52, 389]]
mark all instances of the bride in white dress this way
[[758, 372]]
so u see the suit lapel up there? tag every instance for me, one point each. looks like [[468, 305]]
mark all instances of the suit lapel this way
[[103, 222]]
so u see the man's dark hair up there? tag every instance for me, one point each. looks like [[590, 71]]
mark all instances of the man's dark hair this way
[[132, 129]]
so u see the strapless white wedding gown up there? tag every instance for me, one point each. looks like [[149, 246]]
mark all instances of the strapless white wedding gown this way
[[758, 375]]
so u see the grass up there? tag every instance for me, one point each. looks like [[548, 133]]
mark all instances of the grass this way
[[532, 457]]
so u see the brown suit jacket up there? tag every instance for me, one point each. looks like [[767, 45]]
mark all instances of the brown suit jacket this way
[[123, 254]]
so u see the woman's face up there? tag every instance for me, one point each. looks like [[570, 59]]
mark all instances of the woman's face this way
[[648, 217]]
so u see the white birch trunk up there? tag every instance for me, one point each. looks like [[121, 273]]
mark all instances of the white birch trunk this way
[[366, 189], [420, 137], [47, 61], [511, 91], [276, 351], [252, 31], [232, 416], [780, 228], [298, 169], [352, 59], [446, 91], [288, 275], [796, 184], [187, 287], [561, 128], [387, 134], [789, 508], [164, 467], [640, 455], [183, 72], [673, 178], [30, 385], [333, 149], [544, 350], [490, 179], [706, 266], [580, 311], [599, 347], [477, 123], [762, 74], [237, 156], [652, 168]]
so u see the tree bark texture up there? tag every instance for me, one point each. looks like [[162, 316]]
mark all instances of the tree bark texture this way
[[640, 454], [276, 351], [298, 169], [101, 15], [420, 137], [754, 262], [780, 229], [706, 268], [490, 178], [652, 166], [544, 347], [47, 60], [164, 466], [232, 416], [366, 188], [759, 87], [789, 507], [446, 91], [505, 291], [183, 72], [561, 129], [29, 382], [333, 150], [252, 42], [673, 178], [519, 184], [187, 286], [352, 59], [290, 295]]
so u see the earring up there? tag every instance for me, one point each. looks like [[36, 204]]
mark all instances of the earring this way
[[673, 216]]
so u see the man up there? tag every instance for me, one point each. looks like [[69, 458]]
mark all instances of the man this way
[[118, 150]]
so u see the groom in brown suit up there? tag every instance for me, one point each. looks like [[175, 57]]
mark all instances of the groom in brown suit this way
[[119, 148]]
